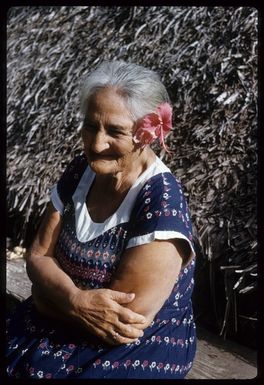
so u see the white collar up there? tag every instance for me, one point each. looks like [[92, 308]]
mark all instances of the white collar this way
[[86, 229]]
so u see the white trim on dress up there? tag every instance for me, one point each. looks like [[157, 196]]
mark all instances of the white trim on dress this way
[[55, 199], [161, 235]]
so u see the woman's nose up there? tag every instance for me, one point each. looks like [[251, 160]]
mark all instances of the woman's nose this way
[[99, 142]]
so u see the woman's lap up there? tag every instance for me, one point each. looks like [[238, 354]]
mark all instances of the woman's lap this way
[[40, 348]]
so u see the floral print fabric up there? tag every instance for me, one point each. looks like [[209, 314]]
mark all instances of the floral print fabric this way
[[38, 347]]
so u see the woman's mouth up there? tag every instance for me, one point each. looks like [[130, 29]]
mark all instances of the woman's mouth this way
[[93, 156]]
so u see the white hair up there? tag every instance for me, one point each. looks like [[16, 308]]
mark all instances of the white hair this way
[[141, 87]]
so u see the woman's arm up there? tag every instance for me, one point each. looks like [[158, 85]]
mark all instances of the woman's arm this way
[[100, 310], [43, 269], [150, 271]]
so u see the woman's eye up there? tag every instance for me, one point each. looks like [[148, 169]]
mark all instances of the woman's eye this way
[[115, 131]]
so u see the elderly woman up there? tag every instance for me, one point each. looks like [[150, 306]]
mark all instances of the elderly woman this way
[[112, 263]]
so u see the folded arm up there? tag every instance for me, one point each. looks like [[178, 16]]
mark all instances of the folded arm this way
[[150, 271], [100, 311]]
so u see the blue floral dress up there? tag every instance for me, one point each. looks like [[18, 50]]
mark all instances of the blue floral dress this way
[[89, 252]]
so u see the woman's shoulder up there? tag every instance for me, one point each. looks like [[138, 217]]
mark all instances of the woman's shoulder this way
[[71, 176], [162, 194], [163, 179], [76, 166], [162, 184], [161, 211], [157, 175]]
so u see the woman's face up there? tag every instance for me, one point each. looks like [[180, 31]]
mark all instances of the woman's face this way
[[107, 133]]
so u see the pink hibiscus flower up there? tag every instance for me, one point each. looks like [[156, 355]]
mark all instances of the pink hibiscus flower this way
[[154, 125]]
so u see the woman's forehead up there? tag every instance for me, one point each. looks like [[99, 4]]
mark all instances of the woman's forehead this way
[[108, 103]]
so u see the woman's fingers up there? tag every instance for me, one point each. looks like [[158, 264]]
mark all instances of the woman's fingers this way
[[117, 339], [128, 331], [121, 297], [113, 327], [128, 316], [102, 311], [112, 337]]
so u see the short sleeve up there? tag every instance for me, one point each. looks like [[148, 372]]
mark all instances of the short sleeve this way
[[55, 199], [62, 191], [160, 212]]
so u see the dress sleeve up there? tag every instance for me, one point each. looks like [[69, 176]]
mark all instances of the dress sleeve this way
[[55, 199], [62, 191], [161, 212]]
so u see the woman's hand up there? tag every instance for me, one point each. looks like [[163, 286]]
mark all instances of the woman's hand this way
[[102, 313]]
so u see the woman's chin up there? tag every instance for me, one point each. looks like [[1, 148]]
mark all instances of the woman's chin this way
[[103, 167]]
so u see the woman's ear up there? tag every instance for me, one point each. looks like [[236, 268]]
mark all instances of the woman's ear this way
[[139, 146]]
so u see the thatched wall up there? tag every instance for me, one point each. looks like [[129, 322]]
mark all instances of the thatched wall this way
[[206, 57]]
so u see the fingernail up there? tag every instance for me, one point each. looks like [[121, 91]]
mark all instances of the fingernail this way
[[130, 295]]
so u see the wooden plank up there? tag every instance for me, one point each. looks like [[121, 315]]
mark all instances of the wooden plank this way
[[17, 282], [216, 358]]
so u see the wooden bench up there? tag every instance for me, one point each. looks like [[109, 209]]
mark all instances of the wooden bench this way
[[216, 358]]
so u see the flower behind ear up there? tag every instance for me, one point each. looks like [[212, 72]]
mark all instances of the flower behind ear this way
[[154, 125]]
